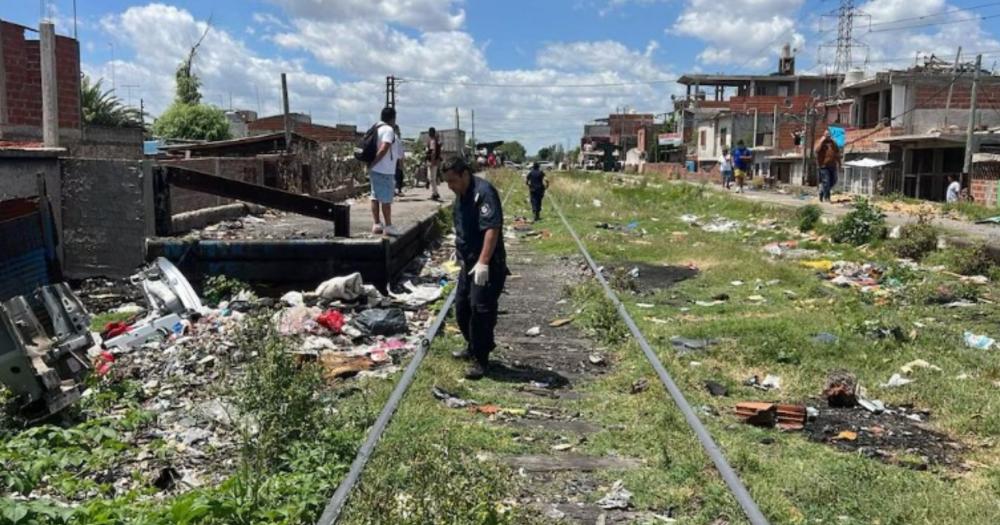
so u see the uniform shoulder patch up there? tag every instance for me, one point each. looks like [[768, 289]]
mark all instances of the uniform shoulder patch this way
[[485, 209]]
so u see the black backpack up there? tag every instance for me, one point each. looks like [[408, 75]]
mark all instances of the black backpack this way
[[368, 147]]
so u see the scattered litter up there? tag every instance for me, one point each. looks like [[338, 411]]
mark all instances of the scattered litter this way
[[597, 359], [979, 342], [450, 400], [847, 435], [293, 299], [382, 321], [332, 320], [825, 338], [716, 389], [770, 382], [874, 406], [344, 288], [736, 283], [962, 303], [534, 331], [709, 303], [618, 498], [418, 296], [597, 203], [645, 305], [338, 364], [560, 322], [689, 219], [639, 385], [684, 345], [896, 381], [918, 363], [757, 298], [721, 226], [562, 447]]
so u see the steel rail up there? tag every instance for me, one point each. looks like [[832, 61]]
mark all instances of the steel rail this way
[[336, 504], [732, 480]]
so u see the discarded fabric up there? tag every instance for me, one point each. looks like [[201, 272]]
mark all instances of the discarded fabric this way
[[343, 288], [896, 381], [979, 342], [332, 320], [618, 498]]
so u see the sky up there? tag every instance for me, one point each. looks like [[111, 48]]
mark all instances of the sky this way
[[532, 70]]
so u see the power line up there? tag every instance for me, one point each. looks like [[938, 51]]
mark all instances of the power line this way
[[976, 18], [932, 15], [539, 86]]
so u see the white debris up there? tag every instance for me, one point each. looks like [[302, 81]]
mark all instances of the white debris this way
[[618, 498], [343, 288], [534, 331], [895, 381], [293, 299]]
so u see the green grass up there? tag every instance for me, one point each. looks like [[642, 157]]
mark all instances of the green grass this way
[[99, 321], [794, 480], [971, 211]]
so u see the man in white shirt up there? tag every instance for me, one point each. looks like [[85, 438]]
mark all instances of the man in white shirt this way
[[954, 189], [382, 173]]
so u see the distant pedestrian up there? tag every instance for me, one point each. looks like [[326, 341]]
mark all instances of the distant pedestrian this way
[[400, 154], [742, 161], [726, 168], [478, 219], [954, 189], [433, 162], [828, 160], [382, 173], [537, 184]]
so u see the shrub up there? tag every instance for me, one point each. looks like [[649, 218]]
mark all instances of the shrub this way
[[808, 216], [220, 288], [973, 260], [915, 240], [862, 225]]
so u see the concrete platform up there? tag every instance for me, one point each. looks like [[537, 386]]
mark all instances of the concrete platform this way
[[288, 249]]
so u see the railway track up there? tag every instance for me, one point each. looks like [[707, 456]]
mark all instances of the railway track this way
[[733, 482]]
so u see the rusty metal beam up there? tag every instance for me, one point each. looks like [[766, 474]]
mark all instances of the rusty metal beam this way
[[339, 214]]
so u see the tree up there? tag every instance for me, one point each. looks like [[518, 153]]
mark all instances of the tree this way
[[513, 151], [187, 117], [192, 121], [544, 154], [104, 108]]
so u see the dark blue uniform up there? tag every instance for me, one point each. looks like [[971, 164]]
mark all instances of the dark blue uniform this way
[[476, 306], [536, 187]]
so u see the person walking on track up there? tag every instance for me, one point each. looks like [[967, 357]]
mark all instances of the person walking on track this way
[[478, 219], [433, 162], [828, 159], [537, 184]]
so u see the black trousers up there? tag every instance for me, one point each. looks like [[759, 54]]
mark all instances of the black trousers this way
[[476, 309], [536, 201]]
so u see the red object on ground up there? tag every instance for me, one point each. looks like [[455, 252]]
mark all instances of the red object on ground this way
[[333, 320], [115, 329], [103, 362]]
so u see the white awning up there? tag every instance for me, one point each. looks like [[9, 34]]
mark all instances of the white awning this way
[[867, 163]]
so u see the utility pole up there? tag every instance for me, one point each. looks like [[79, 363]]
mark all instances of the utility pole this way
[[288, 117], [951, 87], [970, 139], [50, 88], [806, 147], [390, 91], [473, 128], [142, 114]]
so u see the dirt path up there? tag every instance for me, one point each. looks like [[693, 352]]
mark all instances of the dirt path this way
[[550, 372]]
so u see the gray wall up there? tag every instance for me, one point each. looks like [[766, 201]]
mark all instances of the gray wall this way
[[107, 211]]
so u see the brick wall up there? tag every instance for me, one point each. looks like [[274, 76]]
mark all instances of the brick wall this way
[[935, 96], [107, 212], [22, 67], [985, 176]]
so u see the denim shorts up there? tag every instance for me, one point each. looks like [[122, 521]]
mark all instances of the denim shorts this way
[[383, 186]]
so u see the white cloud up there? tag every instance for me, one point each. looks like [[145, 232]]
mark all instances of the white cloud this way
[[740, 32], [426, 15], [157, 37]]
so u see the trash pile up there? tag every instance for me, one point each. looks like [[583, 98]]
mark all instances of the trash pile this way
[[182, 357]]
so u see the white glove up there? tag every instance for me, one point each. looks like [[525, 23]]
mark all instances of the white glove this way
[[480, 274]]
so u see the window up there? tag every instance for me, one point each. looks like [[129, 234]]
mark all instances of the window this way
[[722, 136], [702, 138]]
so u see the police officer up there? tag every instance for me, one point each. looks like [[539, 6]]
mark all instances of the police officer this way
[[479, 240], [536, 187]]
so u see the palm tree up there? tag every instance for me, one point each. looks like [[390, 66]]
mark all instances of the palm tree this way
[[104, 108]]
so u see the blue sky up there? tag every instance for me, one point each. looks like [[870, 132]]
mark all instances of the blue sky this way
[[338, 52]]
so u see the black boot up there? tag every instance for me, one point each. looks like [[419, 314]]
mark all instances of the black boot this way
[[476, 370], [462, 354]]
